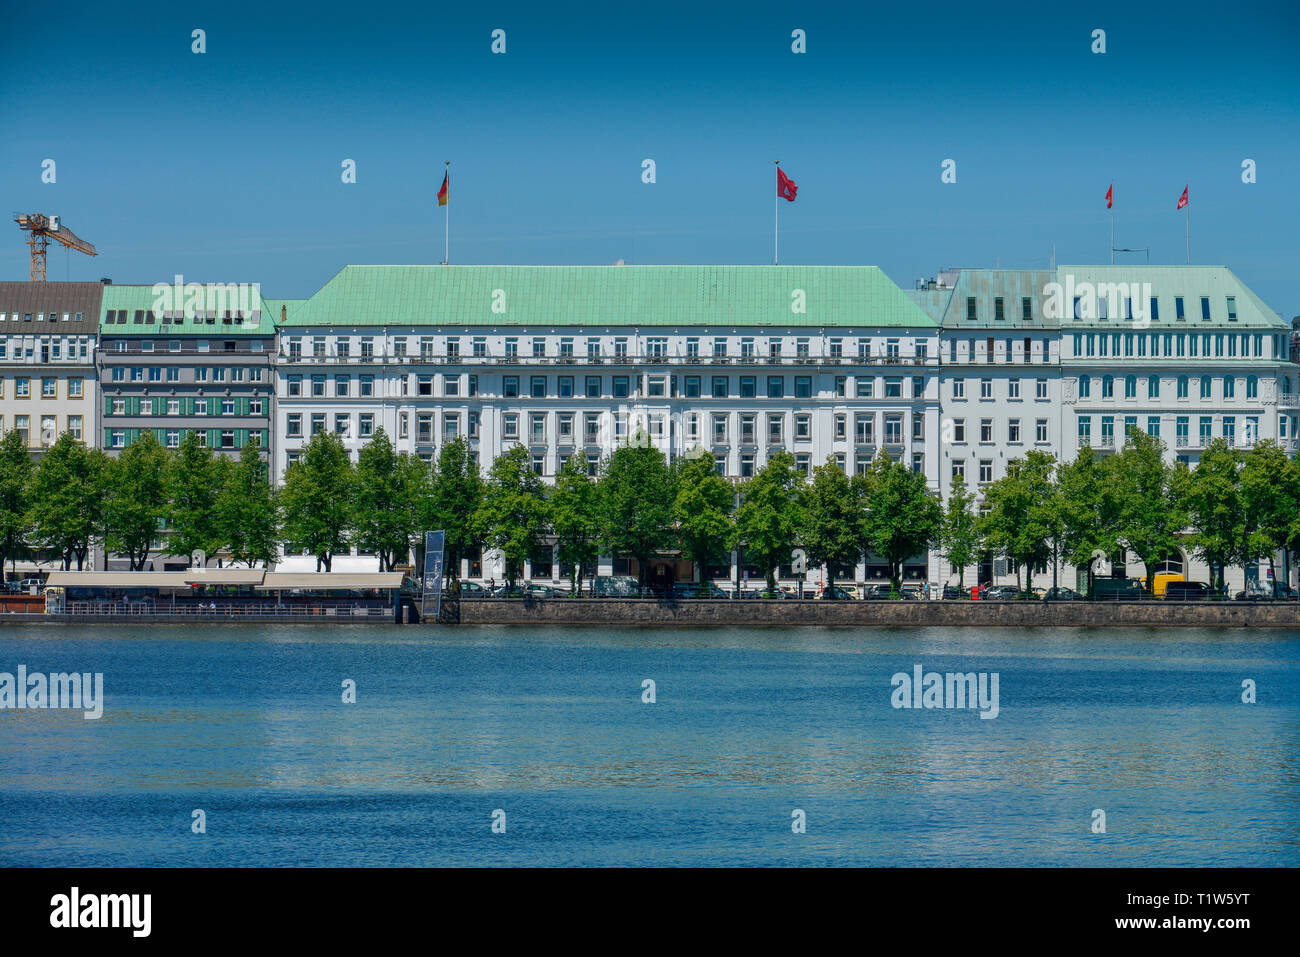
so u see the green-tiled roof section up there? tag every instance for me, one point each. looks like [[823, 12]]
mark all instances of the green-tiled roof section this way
[[707, 296], [1167, 283], [995, 299], [139, 301], [287, 306]]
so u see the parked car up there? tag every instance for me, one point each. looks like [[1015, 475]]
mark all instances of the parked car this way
[[1256, 591], [876, 592], [1061, 593], [1188, 591], [1287, 593], [999, 593], [1039, 592], [692, 590], [836, 593], [474, 590], [538, 590], [912, 591]]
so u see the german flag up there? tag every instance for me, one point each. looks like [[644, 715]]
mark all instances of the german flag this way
[[442, 193]]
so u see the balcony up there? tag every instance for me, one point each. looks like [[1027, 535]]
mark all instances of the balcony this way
[[1288, 400]]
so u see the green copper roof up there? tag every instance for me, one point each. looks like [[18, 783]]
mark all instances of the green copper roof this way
[[951, 307], [160, 297], [706, 296], [1217, 283]]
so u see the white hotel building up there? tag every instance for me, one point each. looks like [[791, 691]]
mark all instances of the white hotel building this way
[[739, 361]]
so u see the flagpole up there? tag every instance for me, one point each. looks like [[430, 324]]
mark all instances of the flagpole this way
[[776, 220], [1112, 223], [446, 221], [1188, 207]]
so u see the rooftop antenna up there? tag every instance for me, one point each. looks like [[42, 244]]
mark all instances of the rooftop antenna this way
[[1138, 249]]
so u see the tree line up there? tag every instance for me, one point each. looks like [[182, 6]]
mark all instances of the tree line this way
[[1234, 508]]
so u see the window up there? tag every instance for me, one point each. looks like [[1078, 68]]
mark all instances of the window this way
[[986, 388], [342, 424], [565, 386], [593, 387], [537, 428], [341, 383], [1040, 389], [1027, 308], [1085, 387], [803, 427], [1179, 312], [510, 426], [1206, 430], [865, 386], [1040, 430], [959, 388], [656, 386], [841, 427], [986, 430], [747, 430], [1205, 308], [367, 385], [450, 426], [958, 472], [986, 471], [564, 428], [959, 430], [1013, 430], [1013, 388], [1252, 387], [803, 387], [1130, 387], [998, 312], [1085, 430], [1153, 387], [537, 386], [509, 387], [775, 424], [893, 388], [49, 387], [692, 387], [1205, 387], [1232, 308], [719, 429], [620, 387], [864, 426], [748, 387], [1229, 387], [719, 386], [970, 308]]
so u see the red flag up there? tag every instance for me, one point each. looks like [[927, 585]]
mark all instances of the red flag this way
[[1109, 193], [443, 193], [785, 187], [1182, 200]]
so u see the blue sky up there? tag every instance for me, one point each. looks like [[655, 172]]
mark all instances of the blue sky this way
[[225, 166]]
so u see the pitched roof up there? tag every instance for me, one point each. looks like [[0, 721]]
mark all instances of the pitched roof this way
[[705, 296], [140, 300]]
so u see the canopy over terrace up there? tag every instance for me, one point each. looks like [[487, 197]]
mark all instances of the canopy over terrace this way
[[327, 581], [156, 580]]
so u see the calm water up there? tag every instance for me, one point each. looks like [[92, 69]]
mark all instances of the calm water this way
[[548, 725]]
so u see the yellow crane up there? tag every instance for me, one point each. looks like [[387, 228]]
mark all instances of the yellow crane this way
[[44, 228]]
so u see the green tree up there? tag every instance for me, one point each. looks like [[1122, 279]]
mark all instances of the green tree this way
[[135, 503], [1150, 511], [1086, 512], [702, 512], [1216, 510], [513, 513], [385, 499], [575, 520], [832, 534], [903, 515], [246, 510], [67, 496], [1019, 524], [316, 500], [16, 471], [1271, 501], [452, 499], [636, 492], [959, 535], [194, 480], [771, 516]]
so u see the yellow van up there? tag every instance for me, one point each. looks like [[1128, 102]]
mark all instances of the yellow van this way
[[1162, 579]]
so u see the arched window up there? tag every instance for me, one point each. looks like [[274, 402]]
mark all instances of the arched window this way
[[1153, 387], [1085, 387], [1107, 387], [1252, 387], [1182, 387], [1130, 387]]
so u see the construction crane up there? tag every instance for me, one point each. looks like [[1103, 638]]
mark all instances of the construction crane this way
[[44, 228]]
